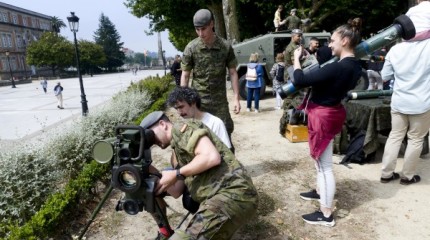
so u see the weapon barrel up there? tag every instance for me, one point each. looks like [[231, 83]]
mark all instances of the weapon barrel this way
[[402, 27], [369, 94]]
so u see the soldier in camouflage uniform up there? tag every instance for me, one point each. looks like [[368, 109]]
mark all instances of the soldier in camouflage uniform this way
[[292, 21], [209, 56], [213, 175], [293, 100], [296, 38]]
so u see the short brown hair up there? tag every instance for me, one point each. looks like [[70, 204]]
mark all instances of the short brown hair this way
[[279, 57]]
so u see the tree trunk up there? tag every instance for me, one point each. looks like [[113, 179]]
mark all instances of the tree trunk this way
[[230, 20], [219, 19]]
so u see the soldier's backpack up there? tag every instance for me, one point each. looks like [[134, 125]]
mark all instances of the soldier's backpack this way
[[354, 152], [280, 73]]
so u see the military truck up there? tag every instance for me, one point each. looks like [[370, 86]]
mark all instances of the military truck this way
[[267, 46]]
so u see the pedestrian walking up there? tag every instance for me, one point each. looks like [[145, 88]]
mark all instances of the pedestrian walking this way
[[44, 85], [58, 90]]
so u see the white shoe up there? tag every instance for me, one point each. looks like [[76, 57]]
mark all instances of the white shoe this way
[[277, 108], [248, 109], [256, 111]]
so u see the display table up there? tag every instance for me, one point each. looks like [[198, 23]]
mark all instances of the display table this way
[[374, 117]]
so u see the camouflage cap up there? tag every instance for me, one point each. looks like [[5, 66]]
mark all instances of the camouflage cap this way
[[202, 18], [293, 10], [151, 119], [296, 31]]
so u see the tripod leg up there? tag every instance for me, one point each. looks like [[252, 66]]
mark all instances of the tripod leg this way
[[161, 218]]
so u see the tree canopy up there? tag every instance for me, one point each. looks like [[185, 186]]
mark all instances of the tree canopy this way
[[51, 50], [92, 56], [256, 17], [108, 37], [57, 24]]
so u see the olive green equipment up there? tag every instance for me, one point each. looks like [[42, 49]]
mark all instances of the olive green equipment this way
[[267, 46], [365, 94], [401, 28], [129, 154]]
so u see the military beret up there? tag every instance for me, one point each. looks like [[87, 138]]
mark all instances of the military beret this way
[[296, 31], [151, 119], [202, 18]]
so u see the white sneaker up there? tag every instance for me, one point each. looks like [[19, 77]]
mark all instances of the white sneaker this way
[[256, 111], [248, 109]]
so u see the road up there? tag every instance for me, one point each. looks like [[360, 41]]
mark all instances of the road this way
[[26, 109]]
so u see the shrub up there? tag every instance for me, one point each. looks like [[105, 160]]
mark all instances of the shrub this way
[[31, 173], [36, 173]]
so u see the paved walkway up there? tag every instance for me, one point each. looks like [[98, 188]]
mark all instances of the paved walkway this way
[[26, 109]]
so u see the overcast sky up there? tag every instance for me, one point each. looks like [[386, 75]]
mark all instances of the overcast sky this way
[[131, 28]]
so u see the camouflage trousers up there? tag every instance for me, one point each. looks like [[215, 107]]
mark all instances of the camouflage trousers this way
[[218, 218]]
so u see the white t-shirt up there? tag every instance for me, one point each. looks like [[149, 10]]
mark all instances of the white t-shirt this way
[[217, 126]]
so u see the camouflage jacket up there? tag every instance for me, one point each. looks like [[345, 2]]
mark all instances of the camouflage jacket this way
[[289, 57], [229, 178], [209, 75], [292, 22]]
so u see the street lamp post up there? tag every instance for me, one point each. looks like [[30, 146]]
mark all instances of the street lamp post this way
[[23, 57], [10, 69], [74, 26], [164, 62]]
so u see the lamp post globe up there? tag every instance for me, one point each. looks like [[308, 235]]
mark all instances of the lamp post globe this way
[[74, 27], [10, 69]]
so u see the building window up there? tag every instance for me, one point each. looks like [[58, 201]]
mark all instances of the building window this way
[[4, 17], [33, 23], [9, 40], [15, 19], [6, 40], [19, 41], [4, 64], [13, 63], [24, 21]]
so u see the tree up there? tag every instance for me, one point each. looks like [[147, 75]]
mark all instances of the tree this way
[[91, 56], [230, 20], [57, 24], [108, 37], [164, 15], [255, 17], [52, 50]]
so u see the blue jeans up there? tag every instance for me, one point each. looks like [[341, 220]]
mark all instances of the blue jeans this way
[[253, 92]]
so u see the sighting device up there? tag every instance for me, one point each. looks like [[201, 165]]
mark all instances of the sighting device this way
[[130, 157], [401, 28]]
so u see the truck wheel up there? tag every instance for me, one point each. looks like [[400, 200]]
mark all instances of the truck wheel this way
[[243, 90]]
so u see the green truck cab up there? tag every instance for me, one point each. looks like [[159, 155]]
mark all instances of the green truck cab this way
[[267, 46]]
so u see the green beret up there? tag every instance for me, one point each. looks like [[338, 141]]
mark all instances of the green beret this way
[[296, 31], [151, 119], [202, 18]]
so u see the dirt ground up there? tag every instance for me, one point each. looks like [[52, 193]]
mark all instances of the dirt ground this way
[[364, 207]]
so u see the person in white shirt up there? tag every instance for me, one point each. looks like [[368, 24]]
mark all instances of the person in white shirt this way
[[187, 102], [408, 64]]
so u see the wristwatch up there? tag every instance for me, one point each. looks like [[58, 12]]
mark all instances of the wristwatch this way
[[179, 176]]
